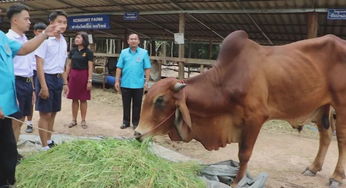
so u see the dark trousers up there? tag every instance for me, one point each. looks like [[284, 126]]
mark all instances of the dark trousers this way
[[8, 155], [134, 96]]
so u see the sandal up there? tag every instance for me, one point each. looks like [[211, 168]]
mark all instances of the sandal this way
[[72, 124], [83, 124]]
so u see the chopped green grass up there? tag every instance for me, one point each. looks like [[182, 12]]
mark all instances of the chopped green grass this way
[[104, 164]]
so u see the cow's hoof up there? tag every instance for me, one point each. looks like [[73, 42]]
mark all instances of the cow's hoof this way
[[308, 172], [334, 183]]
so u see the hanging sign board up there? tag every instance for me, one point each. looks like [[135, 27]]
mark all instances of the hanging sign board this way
[[336, 14], [130, 16], [179, 38], [88, 22]]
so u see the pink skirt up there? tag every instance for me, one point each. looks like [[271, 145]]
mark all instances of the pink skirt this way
[[77, 84]]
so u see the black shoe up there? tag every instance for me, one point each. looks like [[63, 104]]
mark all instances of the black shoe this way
[[29, 129], [5, 186], [52, 144], [124, 126]]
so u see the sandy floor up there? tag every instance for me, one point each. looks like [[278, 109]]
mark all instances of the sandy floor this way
[[281, 153]]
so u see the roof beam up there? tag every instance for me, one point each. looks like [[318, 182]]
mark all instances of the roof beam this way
[[196, 19], [254, 22], [229, 11], [151, 22], [74, 6]]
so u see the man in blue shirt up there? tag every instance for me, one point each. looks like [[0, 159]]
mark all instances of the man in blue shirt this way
[[132, 64], [8, 103]]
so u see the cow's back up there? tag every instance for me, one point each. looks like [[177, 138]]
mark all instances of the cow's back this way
[[298, 75]]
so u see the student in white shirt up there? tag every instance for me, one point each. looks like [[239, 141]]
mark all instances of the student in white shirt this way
[[20, 23], [38, 29], [50, 61]]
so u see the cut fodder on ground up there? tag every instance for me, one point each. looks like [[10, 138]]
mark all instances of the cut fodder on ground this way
[[104, 163]]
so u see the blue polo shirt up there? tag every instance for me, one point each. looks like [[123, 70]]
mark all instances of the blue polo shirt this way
[[133, 65], [8, 49]]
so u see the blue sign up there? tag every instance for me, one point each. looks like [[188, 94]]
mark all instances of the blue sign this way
[[336, 14], [88, 22], [130, 16]]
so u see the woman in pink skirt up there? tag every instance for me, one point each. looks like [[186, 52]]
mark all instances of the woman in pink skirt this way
[[79, 70]]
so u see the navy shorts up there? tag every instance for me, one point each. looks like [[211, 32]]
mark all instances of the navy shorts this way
[[24, 92], [55, 84]]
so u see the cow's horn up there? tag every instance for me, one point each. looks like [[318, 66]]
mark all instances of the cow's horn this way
[[178, 86]]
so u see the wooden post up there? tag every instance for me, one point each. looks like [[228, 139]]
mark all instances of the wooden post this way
[[153, 48], [181, 46], [312, 24], [201, 68], [164, 54], [118, 50]]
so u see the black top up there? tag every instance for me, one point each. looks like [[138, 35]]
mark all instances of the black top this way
[[79, 59]]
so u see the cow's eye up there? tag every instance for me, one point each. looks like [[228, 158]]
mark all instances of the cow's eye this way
[[160, 101]]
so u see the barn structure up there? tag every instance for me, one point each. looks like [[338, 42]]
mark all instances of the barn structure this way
[[188, 32]]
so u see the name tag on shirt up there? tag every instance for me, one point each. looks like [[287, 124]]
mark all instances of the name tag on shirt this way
[[138, 60]]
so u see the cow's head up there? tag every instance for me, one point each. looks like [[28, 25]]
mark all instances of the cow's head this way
[[165, 111]]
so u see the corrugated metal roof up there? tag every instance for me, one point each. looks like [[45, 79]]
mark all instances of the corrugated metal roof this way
[[282, 21]]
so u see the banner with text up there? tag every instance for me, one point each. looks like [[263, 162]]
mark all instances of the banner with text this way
[[336, 14], [88, 22]]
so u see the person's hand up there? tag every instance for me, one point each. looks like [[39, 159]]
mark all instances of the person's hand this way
[[66, 90], [89, 86], [44, 93], [52, 30], [117, 86], [2, 115], [146, 87]]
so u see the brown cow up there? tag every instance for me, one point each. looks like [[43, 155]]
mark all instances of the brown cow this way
[[249, 85]]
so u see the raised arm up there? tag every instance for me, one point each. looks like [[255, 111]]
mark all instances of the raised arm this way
[[34, 43]]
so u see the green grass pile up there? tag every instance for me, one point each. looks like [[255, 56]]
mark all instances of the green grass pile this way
[[104, 163]]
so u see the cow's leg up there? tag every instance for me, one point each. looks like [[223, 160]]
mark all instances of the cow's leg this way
[[339, 173], [325, 132], [249, 135], [325, 139]]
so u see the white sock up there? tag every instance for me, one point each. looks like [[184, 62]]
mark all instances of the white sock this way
[[45, 148], [29, 122], [49, 141]]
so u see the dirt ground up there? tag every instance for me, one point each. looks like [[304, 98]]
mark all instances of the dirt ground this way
[[279, 151]]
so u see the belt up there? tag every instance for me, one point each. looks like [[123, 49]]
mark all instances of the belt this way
[[58, 75], [26, 79]]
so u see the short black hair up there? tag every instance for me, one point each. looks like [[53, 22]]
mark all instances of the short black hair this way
[[55, 14], [40, 25], [15, 9], [128, 37], [84, 35]]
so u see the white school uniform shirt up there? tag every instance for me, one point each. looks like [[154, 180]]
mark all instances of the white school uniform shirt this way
[[33, 62], [22, 64], [54, 53]]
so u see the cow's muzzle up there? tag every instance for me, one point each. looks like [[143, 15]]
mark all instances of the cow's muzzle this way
[[138, 136]]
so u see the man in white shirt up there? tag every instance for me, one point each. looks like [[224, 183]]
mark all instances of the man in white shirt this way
[[20, 23], [50, 61]]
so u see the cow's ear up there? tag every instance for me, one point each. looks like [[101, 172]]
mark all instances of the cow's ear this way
[[185, 113], [182, 129]]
